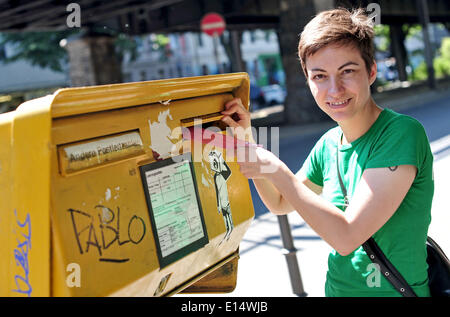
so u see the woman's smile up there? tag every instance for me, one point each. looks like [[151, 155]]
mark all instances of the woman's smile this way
[[338, 104]]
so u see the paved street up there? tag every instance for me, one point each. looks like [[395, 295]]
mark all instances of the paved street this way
[[262, 267]]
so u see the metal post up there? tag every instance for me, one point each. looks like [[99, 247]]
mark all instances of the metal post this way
[[290, 252], [424, 18], [398, 49], [216, 53], [236, 46]]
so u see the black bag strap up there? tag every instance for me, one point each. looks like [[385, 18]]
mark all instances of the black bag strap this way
[[343, 189], [389, 271], [374, 252]]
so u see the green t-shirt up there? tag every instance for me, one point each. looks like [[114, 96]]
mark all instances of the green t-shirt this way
[[394, 139]]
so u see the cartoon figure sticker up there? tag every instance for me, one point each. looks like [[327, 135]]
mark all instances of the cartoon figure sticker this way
[[221, 174]]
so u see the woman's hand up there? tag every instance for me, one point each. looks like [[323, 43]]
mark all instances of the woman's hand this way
[[238, 118], [258, 162], [255, 162]]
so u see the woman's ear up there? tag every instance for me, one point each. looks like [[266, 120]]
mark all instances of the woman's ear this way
[[373, 73]]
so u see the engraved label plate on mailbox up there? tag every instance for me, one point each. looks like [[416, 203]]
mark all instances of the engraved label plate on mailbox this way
[[86, 154]]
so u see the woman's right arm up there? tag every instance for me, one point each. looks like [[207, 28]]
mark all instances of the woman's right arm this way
[[271, 197]]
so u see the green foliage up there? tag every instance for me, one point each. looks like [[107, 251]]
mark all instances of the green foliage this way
[[161, 40], [43, 48], [382, 32], [39, 48], [161, 43], [413, 31], [420, 72], [442, 62], [126, 44]]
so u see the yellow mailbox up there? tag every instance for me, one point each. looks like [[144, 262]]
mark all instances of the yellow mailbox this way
[[102, 196]]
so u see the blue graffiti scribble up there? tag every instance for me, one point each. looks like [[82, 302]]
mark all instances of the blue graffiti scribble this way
[[21, 256]]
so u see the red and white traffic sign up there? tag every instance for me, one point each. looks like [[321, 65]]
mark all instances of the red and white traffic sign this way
[[213, 24]]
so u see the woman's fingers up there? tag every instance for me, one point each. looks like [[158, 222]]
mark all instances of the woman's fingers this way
[[238, 118], [249, 164], [237, 115], [258, 163], [247, 171], [232, 102], [235, 106], [230, 122]]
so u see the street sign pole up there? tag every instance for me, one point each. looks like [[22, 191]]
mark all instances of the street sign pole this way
[[290, 253], [213, 24], [216, 53]]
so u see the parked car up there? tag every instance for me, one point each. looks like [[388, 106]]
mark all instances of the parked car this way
[[266, 96], [273, 95]]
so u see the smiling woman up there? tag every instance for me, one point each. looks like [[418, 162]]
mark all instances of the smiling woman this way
[[383, 158], [341, 86]]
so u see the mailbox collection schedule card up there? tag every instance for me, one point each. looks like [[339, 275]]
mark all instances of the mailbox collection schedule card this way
[[174, 208]]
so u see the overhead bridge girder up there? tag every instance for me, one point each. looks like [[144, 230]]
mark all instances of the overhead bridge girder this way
[[165, 16]]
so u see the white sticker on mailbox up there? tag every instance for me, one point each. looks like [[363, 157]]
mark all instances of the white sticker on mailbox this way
[[175, 209]]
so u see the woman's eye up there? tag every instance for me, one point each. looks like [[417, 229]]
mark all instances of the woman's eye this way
[[318, 76]]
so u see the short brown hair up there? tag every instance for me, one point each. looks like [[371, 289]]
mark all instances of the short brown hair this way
[[338, 26]]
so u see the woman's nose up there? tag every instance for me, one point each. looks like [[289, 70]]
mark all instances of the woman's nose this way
[[335, 88]]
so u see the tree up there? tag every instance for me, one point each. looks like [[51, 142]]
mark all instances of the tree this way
[[442, 62], [299, 106], [383, 36], [39, 48], [43, 48]]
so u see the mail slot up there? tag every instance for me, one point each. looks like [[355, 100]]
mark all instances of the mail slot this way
[[103, 195]]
